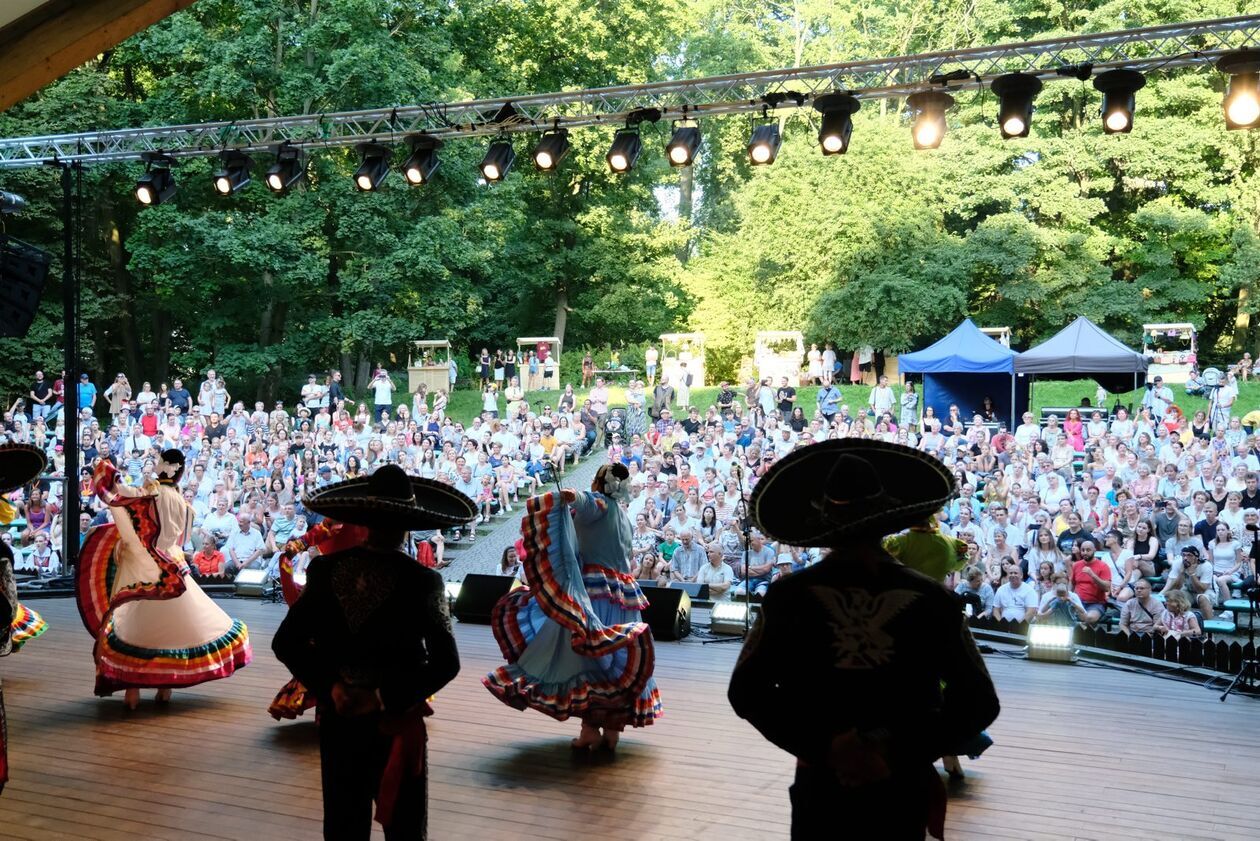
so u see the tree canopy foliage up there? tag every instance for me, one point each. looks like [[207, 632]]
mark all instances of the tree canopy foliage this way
[[883, 246]]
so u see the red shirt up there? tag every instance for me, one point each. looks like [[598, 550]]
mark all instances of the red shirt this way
[[1083, 585], [149, 424], [208, 562], [543, 350]]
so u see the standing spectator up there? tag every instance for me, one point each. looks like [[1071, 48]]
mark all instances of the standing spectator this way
[[179, 398], [829, 402], [313, 393], [828, 363], [41, 397], [119, 392], [909, 407], [588, 369], [881, 398], [662, 397], [382, 394], [1158, 398], [87, 393], [785, 397], [685, 380], [599, 405], [650, 358]]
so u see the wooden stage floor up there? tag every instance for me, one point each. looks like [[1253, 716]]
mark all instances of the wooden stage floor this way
[[1081, 753]]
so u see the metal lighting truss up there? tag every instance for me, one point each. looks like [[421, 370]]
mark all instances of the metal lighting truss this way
[[1153, 48]]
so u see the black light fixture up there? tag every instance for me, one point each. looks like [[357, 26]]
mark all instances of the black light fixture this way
[[1015, 92], [551, 149], [498, 161], [1118, 101], [763, 146], [423, 161], [233, 173], [1242, 99], [625, 150], [928, 128], [683, 146], [837, 111], [288, 169], [157, 185], [373, 167]]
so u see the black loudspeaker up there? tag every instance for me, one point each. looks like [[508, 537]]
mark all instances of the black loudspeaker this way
[[23, 269], [478, 595], [668, 612]]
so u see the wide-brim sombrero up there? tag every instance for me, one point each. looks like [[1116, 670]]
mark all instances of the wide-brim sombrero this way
[[19, 464], [785, 504], [362, 502]]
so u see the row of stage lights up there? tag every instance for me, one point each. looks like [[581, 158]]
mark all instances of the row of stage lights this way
[[1015, 93]]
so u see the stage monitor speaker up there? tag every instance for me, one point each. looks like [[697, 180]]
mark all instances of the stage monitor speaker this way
[[23, 269], [668, 612], [252, 583], [478, 595]]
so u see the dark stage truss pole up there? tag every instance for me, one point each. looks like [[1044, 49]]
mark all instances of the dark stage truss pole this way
[[1149, 49]]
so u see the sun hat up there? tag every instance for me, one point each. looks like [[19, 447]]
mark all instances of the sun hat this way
[[389, 498], [19, 464], [836, 490]]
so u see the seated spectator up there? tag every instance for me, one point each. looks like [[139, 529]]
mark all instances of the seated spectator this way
[[244, 546], [1091, 581], [687, 558], [1060, 606], [974, 583], [510, 563], [42, 558], [1178, 620], [717, 574], [760, 567], [652, 567], [1142, 613], [1194, 578], [208, 560], [1016, 600]]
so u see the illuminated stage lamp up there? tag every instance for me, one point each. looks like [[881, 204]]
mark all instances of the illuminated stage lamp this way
[[498, 161], [423, 161], [157, 185], [373, 167], [763, 146], [1052, 643], [625, 149], [1015, 92], [288, 169], [452, 591], [728, 618], [233, 173], [1242, 99], [551, 150], [1118, 89], [837, 111], [928, 128], [683, 146]]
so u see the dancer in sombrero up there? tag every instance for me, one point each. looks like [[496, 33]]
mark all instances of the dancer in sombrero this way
[[370, 638], [873, 659], [572, 636], [154, 627], [19, 464]]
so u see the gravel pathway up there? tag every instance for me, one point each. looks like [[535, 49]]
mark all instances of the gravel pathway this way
[[483, 556]]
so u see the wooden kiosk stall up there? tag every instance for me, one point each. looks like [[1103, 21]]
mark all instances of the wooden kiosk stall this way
[[677, 348], [1173, 350], [1001, 335], [551, 345], [779, 353], [430, 363]]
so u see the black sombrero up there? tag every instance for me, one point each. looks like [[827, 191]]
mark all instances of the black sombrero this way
[[389, 498], [836, 490], [19, 464]]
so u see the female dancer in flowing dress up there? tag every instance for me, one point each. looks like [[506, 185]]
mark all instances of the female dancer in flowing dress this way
[[572, 636], [154, 627]]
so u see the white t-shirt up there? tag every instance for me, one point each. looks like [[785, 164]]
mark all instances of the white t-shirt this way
[[383, 392], [722, 574], [1013, 602]]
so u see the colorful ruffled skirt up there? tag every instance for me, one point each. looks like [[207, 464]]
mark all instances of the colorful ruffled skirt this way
[[572, 638], [27, 625]]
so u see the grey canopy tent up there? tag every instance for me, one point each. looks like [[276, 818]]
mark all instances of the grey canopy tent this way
[[1084, 350]]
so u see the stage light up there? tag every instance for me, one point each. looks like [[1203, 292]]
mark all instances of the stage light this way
[[452, 591], [837, 121], [683, 146], [233, 173], [1015, 92], [929, 123], [624, 151], [1118, 101], [728, 618], [1242, 100], [763, 146], [423, 160], [551, 149], [1052, 643], [498, 161], [157, 185], [373, 167], [288, 169]]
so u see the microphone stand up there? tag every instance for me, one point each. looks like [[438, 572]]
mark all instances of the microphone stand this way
[[745, 527]]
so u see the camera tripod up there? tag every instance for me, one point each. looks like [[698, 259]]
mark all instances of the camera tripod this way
[[1248, 678]]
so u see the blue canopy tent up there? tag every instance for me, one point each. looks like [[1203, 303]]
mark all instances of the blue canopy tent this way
[[965, 367]]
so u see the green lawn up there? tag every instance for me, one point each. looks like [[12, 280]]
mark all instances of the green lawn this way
[[465, 404]]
